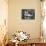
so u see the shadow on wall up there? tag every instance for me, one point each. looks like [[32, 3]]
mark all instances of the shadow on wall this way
[[0, 44]]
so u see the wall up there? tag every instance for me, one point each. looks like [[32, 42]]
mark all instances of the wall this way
[[15, 21]]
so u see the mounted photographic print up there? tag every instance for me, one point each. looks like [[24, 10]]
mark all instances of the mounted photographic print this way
[[28, 14]]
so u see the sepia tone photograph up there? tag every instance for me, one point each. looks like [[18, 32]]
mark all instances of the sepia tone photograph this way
[[22, 22]]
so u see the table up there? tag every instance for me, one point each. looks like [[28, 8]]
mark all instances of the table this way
[[10, 44], [28, 44], [33, 42]]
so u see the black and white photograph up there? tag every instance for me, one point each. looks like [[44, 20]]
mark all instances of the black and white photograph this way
[[28, 14]]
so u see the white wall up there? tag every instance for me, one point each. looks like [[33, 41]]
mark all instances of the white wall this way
[[15, 21]]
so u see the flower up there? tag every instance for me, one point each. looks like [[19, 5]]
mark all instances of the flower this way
[[21, 36]]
